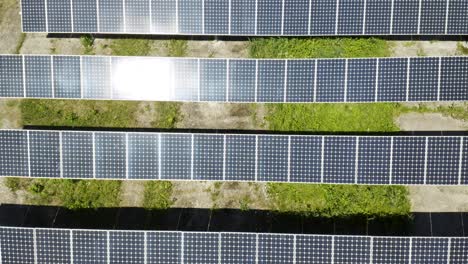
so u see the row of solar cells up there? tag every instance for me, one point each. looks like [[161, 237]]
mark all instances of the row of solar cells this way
[[316, 159], [28, 245], [248, 17], [235, 80]]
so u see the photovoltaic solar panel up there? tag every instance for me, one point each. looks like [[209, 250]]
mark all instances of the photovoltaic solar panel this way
[[405, 16], [163, 16], [392, 79], [374, 160], [238, 248], [17, 245], [429, 250], [458, 250], [378, 17], [96, 77], [190, 16], [443, 160], [433, 17], [164, 247], [391, 250], [89, 247], [423, 79], [216, 17], [240, 157], [143, 156], [330, 80], [457, 14], [111, 16], [38, 78], [59, 16], [44, 151], [275, 248], [268, 12], [11, 76], [408, 160], [67, 77], [272, 158], [110, 155], [270, 81], [323, 17], [213, 80], [351, 250], [242, 80], [464, 167], [296, 17], [208, 157], [350, 17], [13, 153], [53, 246], [186, 81], [313, 249], [126, 247], [306, 159], [77, 154], [85, 16], [361, 82], [33, 15], [339, 159], [137, 16], [454, 79], [176, 156], [300, 81], [201, 248]]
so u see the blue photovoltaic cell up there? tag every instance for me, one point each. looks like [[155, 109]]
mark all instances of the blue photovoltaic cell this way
[[269, 13], [275, 248], [216, 16], [38, 76], [378, 16], [201, 248], [190, 16], [408, 160], [176, 156], [110, 155], [85, 16], [270, 81], [464, 167], [13, 153], [339, 159], [306, 158], [392, 80], [433, 17], [300, 81], [126, 247], [390, 250], [429, 250], [44, 151], [89, 247], [96, 77], [458, 250], [163, 247], [240, 157], [59, 16], [405, 16], [11, 76], [185, 79], [361, 80], [423, 79], [53, 246], [330, 80], [454, 79], [33, 16], [242, 80], [137, 16], [457, 14], [243, 17], [143, 156], [374, 160], [67, 77], [272, 158], [163, 16], [208, 157], [17, 245], [350, 17], [351, 250], [313, 249], [323, 17], [443, 159], [296, 17], [213, 80], [111, 16], [238, 248], [77, 154]]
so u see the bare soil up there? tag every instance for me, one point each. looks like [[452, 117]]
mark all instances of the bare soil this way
[[430, 122], [439, 198]]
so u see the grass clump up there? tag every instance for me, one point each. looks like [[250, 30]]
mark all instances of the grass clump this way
[[463, 50], [339, 200], [168, 114], [157, 195], [20, 43], [87, 41], [176, 48], [130, 47], [318, 47]]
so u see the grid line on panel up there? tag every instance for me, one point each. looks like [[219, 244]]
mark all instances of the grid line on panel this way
[[150, 30], [256, 157], [191, 158], [177, 16], [376, 80], [439, 77], [229, 20], [371, 250], [345, 94], [81, 77], [145, 246], [391, 161], [52, 77], [425, 159], [256, 80], [391, 16], [364, 17], [24, 77], [337, 11], [285, 75], [46, 16], [35, 246], [29, 154], [126, 156], [124, 16], [159, 156], [309, 17], [294, 249], [460, 161], [333, 250], [322, 160], [71, 246], [61, 155], [203, 16], [71, 16], [448, 243], [199, 79], [410, 253], [407, 78], [228, 62], [94, 156], [289, 158], [256, 16], [182, 242], [98, 19], [224, 157], [282, 18], [446, 16], [219, 248], [315, 80], [419, 16], [356, 162], [108, 246]]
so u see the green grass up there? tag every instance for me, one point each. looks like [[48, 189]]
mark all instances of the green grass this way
[[176, 48], [318, 47], [130, 47], [339, 200], [20, 43], [157, 195], [462, 49], [72, 194], [87, 41]]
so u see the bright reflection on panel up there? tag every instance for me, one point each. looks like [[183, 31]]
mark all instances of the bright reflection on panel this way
[[142, 79]]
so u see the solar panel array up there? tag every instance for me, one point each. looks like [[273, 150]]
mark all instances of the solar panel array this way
[[37, 245], [235, 80], [433, 160], [248, 17]]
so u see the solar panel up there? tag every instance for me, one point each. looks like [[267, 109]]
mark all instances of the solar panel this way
[[176, 156], [67, 77], [409, 157], [164, 247], [111, 16], [423, 79], [269, 15], [89, 246], [457, 13], [44, 154], [433, 17], [38, 79], [405, 17], [296, 17], [216, 17], [271, 81], [85, 16], [275, 248], [300, 81], [17, 245], [11, 76], [243, 17], [208, 157], [306, 159], [14, 153], [143, 156], [163, 16], [272, 158], [454, 79], [33, 15], [352, 250], [96, 77], [361, 82], [339, 159], [240, 157], [53, 246], [313, 249], [242, 80], [110, 155], [443, 158], [126, 247], [238, 248], [323, 17], [77, 154], [374, 160], [464, 162], [350, 17], [391, 250], [330, 80], [212, 80], [392, 82], [429, 250], [378, 17], [190, 14], [137, 16], [458, 250], [59, 16], [201, 248], [186, 80]]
